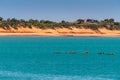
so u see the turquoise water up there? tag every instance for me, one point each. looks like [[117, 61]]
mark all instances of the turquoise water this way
[[34, 58]]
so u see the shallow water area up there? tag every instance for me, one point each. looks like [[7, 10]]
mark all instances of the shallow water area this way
[[34, 58]]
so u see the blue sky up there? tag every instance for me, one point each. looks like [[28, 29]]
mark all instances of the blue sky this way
[[57, 10]]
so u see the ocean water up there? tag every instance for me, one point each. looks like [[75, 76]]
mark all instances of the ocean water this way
[[35, 58]]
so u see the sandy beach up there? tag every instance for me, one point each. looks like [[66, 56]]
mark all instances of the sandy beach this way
[[59, 32]]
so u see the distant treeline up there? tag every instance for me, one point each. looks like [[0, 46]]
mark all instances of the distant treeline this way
[[43, 24]]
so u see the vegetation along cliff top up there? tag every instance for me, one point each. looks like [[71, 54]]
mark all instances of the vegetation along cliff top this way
[[109, 24]]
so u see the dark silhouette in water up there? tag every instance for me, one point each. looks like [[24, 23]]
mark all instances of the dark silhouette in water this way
[[57, 52], [72, 52], [86, 52], [110, 54], [101, 53], [106, 54]]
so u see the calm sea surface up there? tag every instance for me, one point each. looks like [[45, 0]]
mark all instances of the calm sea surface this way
[[35, 58]]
